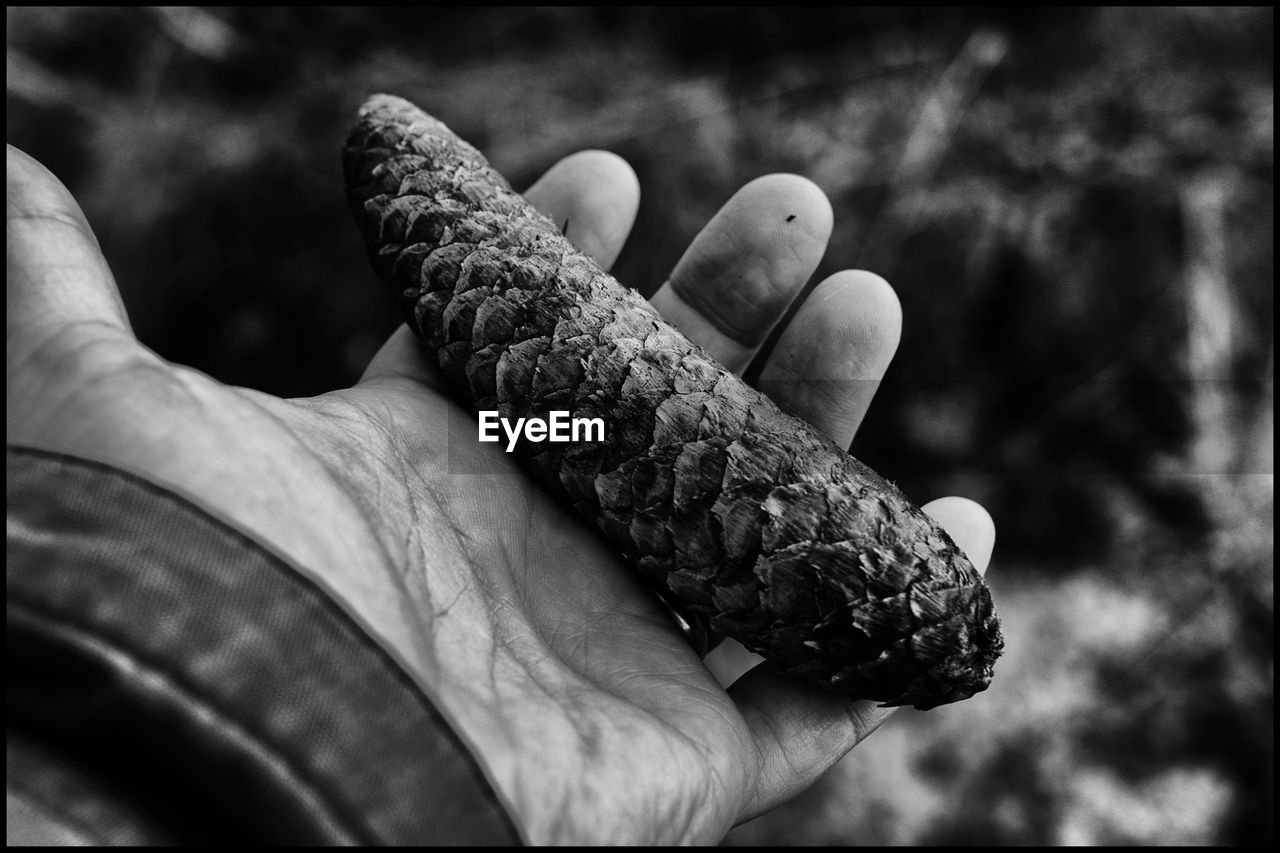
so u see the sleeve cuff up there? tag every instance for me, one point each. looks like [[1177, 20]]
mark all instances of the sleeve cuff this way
[[170, 680]]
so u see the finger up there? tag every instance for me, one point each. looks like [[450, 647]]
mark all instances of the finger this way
[[825, 368], [800, 732], [56, 275], [829, 361], [593, 196], [738, 277], [969, 525]]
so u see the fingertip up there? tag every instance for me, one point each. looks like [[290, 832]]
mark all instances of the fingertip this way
[[787, 202], [864, 320], [829, 361], [19, 164], [616, 169], [606, 169], [593, 196], [56, 274], [969, 524], [32, 190]]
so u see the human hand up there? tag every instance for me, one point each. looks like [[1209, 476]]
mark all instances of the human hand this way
[[594, 718]]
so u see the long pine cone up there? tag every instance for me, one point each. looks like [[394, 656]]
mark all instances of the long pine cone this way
[[743, 514]]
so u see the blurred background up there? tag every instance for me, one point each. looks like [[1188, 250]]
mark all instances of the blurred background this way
[[1075, 207]]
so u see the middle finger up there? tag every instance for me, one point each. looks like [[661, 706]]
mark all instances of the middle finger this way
[[742, 271]]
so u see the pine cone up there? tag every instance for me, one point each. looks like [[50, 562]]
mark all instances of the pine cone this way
[[745, 515]]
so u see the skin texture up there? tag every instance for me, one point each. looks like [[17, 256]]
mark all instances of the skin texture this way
[[594, 719], [756, 523]]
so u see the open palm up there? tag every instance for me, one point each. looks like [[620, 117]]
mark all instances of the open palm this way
[[594, 718]]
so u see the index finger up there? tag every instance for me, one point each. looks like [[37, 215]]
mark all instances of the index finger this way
[[593, 196]]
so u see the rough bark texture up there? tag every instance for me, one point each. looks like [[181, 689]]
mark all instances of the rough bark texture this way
[[742, 513]]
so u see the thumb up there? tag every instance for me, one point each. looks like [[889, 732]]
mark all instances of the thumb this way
[[64, 319], [56, 276]]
